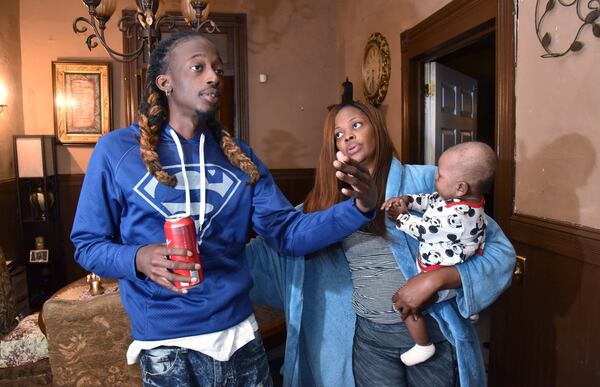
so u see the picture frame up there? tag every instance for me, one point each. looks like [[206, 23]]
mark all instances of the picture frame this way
[[82, 101], [38, 256]]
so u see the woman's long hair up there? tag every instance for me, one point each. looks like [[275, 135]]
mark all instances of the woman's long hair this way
[[326, 190], [153, 115]]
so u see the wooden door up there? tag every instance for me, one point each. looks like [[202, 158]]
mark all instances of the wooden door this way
[[450, 110]]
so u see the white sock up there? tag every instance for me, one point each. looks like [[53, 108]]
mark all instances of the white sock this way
[[417, 354]]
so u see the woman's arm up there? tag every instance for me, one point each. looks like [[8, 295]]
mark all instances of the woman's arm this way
[[486, 277], [269, 272], [421, 290], [479, 280]]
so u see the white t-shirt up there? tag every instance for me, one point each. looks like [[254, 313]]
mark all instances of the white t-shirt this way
[[218, 345]]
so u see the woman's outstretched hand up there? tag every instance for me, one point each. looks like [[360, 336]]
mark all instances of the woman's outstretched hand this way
[[362, 186]]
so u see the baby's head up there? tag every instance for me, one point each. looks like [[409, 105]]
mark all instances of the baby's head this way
[[465, 170]]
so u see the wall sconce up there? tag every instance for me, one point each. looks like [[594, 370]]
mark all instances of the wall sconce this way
[[3, 98], [35, 168], [145, 26], [587, 11]]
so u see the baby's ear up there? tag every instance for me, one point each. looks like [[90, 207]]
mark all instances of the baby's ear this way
[[462, 188]]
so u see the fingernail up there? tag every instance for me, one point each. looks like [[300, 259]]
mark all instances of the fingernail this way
[[194, 280]]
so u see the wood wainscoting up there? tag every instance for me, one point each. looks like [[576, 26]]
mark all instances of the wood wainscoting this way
[[545, 327], [294, 183], [70, 187], [10, 237]]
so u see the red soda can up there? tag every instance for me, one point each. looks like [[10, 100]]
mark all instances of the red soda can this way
[[180, 232]]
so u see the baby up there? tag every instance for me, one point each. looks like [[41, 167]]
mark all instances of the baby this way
[[453, 224]]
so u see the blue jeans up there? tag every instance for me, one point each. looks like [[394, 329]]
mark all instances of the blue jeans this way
[[179, 367], [376, 357]]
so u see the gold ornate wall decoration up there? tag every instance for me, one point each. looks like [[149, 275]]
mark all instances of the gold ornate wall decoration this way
[[376, 69], [82, 101]]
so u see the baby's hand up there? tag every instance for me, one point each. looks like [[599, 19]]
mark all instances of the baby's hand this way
[[395, 207]]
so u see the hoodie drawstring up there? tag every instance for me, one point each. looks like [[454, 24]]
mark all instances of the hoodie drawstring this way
[[186, 183], [202, 182]]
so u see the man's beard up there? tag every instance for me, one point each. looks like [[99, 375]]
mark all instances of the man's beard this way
[[208, 117]]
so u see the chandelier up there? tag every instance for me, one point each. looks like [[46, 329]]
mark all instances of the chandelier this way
[[144, 25]]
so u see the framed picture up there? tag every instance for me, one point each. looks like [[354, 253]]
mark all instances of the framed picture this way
[[82, 101], [38, 256]]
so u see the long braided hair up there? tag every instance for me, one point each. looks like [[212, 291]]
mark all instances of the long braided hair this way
[[153, 114]]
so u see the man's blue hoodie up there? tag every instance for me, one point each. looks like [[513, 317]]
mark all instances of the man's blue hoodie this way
[[122, 207]]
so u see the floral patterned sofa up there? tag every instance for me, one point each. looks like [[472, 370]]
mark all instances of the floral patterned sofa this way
[[23, 346], [88, 336]]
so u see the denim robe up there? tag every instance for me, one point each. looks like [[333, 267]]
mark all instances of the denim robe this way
[[315, 292]]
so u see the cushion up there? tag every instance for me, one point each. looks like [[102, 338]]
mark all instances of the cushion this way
[[23, 345], [8, 311], [89, 337]]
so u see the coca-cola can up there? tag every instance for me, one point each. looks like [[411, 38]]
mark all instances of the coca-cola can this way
[[180, 232]]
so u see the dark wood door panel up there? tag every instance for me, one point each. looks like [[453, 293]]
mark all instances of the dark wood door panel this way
[[545, 327], [10, 238]]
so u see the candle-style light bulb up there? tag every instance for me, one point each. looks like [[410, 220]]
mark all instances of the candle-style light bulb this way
[[106, 8]]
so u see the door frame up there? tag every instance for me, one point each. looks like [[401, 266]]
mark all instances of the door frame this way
[[453, 27]]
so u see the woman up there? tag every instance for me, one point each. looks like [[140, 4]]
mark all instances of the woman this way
[[317, 295]]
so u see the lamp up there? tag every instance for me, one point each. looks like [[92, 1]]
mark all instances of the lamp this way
[[35, 167], [145, 25]]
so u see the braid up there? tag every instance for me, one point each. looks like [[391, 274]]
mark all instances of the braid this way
[[237, 157], [153, 112], [149, 128]]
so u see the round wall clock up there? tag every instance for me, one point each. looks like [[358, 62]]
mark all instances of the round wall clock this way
[[376, 69]]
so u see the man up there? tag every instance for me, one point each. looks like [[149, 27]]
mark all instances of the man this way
[[178, 158]]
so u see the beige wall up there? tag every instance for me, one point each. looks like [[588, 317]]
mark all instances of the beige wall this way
[[557, 122], [44, 40], [11, 120], [305, 47], [293, 42], [357, 20]]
